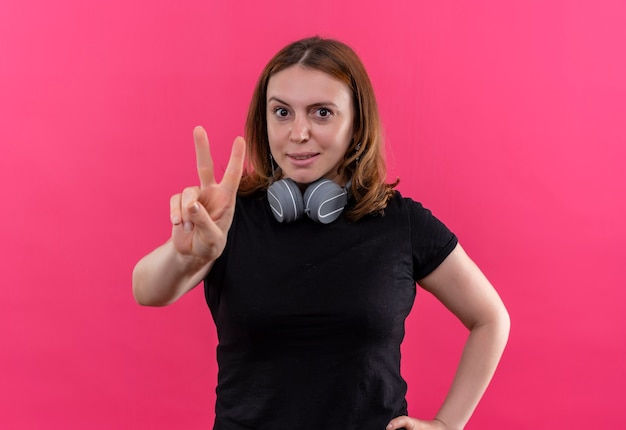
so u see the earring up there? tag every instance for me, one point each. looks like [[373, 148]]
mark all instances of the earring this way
[[356, 150], [272, 164]]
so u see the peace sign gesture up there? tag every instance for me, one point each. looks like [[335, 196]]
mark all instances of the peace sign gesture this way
[[201, 216]]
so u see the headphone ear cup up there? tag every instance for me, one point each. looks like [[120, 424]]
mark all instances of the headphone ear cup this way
[[324, 201], [285, 200]]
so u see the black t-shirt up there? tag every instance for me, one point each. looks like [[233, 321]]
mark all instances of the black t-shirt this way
[[310, 317]]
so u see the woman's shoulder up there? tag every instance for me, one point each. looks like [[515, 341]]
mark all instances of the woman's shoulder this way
[[413, 211], [400, 202]]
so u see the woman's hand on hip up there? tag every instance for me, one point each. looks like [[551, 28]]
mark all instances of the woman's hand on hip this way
[[408, 423]]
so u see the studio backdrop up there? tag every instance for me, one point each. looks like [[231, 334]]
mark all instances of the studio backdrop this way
[[506, 119]]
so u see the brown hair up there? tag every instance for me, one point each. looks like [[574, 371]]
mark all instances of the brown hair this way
[[363, 162]]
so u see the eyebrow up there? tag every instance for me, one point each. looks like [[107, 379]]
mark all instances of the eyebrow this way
[[276, 99]]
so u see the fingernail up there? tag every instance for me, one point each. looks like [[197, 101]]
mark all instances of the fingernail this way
[[194, 208], [175, 220], [188, 226]]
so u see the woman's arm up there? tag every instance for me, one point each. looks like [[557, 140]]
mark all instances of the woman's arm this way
[[164, 275], [460, 285]]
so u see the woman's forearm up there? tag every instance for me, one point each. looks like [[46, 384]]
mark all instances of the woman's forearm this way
[[164, 275], [478, 363]]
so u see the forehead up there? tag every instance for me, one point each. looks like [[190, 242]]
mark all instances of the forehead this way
[[300, 83]]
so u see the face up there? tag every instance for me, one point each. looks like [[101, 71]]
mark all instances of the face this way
[[309, 123]]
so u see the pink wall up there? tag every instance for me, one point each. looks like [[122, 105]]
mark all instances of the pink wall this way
[[505, 118]]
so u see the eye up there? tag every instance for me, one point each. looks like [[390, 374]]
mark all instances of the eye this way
[[280, 112], [324, 112]]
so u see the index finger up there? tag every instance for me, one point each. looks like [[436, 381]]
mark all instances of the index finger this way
[[204, 161]]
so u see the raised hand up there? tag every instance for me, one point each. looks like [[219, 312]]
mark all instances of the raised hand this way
[[201, 216]]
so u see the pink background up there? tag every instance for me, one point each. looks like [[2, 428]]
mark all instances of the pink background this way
[[506, 118]]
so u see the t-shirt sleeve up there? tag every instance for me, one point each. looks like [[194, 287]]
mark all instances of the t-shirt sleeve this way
[[431, 240]]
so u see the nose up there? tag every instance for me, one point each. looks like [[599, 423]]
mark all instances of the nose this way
[[300, 130]]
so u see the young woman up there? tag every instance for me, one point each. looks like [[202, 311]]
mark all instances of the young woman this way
[[310, 261]]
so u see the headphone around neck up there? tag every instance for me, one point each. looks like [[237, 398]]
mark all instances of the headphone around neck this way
[[323, 200]]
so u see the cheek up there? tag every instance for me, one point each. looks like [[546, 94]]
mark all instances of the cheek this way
[[274, 131], [339, 137]]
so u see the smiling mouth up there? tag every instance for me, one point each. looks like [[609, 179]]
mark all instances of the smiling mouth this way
[[302, 157]]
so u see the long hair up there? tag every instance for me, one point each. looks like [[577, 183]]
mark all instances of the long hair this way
[[364, 160]]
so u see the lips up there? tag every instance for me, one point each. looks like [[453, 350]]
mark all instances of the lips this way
[[302, 159], [302, 156]]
